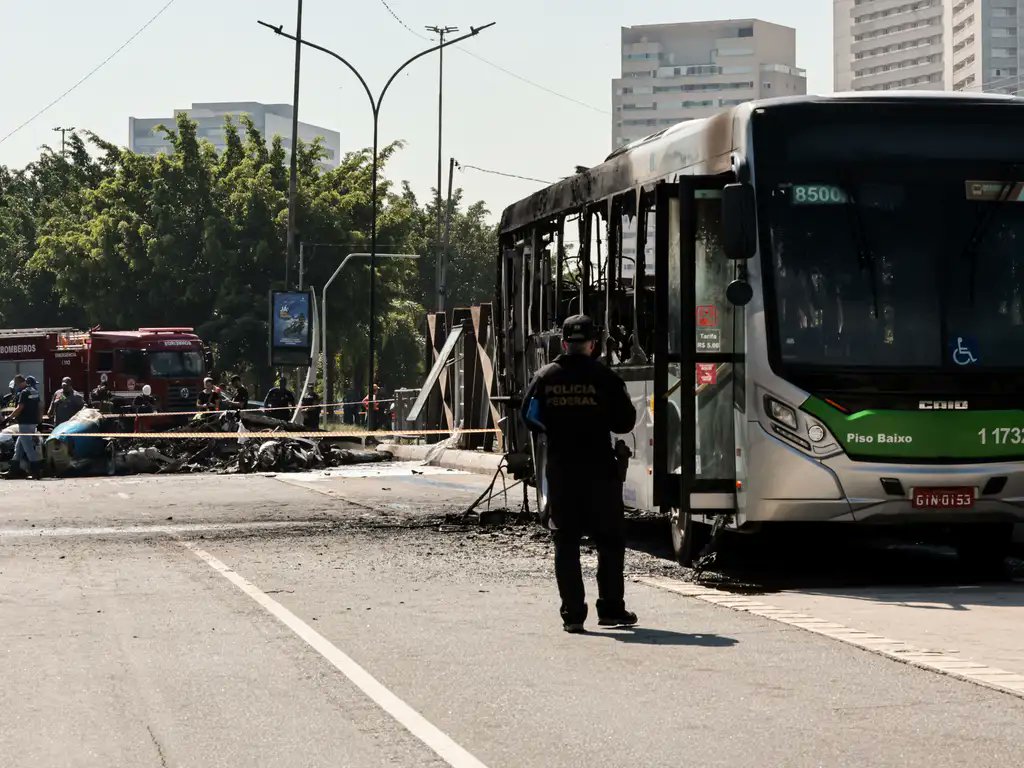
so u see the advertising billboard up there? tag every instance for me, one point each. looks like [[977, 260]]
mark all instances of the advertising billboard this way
[[291, 327]]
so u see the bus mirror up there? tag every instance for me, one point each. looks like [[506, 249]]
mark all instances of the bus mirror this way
[[739, 221], [739, 293]]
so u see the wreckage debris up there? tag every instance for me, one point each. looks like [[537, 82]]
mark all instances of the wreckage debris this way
[[257, 443]]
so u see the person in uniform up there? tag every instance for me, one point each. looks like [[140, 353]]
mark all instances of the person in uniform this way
[[144, 402], [66, 402], [27, 415], [101, 397], [279, 399], [577, 402], [239, 395], [310, 409], [210, 396]]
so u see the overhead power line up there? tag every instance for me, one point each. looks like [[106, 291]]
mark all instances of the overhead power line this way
[[498, 67], [93, 71], [461, 166], [397, 18]]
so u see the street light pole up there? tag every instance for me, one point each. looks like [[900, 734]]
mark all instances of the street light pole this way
[[438, 269], [375, 104], [293, 170], [323, 319], [63, 131]]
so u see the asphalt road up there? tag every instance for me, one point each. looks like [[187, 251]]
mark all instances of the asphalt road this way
[[347, 620]]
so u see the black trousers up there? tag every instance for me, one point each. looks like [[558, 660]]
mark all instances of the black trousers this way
[[587, 502]]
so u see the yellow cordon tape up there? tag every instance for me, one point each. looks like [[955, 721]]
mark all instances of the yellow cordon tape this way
[[246, 410], [255, 435]]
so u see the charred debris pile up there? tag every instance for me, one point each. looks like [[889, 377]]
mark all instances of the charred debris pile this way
[[222, 443]]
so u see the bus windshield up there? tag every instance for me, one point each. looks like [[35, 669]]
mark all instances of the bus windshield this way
[[886, 248], [176, 364], [899, 273]]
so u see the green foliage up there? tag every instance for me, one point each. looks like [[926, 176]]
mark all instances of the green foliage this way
[[101, 235]]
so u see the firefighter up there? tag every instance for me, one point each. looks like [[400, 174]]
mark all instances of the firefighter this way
[[101, 398], [27, 415], [210, 396], [280, 397], [371, 412], [577, 403], [66, 402], [144, 402]]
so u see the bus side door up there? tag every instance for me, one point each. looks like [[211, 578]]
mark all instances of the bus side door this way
[[700, 344]]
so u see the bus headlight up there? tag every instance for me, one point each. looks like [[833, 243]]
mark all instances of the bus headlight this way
[[816, 433], [780, 412]]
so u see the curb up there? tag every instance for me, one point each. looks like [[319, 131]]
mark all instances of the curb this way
[[465, 461]]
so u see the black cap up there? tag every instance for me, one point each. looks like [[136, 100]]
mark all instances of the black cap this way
[[579, 328]]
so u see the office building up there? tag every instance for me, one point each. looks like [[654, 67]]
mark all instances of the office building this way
[[951, 45], [271, 120]]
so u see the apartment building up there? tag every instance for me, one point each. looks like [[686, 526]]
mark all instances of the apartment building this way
[[951, 45], [677, 72]]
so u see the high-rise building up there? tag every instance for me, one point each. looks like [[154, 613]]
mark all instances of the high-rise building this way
[[271, 120], [677, 72], [951, 45]]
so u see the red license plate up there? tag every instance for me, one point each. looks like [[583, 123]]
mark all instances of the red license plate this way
[[943, 498]]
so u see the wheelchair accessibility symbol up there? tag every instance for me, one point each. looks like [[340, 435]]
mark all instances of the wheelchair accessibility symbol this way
[[963, 352]]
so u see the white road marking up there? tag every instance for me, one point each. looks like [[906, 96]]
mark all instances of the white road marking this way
[[944, 662], [435, 739], [166, 530]]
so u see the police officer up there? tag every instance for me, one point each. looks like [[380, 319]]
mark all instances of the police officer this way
[[578, 402], [279, 399], [27, 415]]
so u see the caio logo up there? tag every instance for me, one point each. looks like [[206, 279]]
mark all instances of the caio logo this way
[[942, 405]]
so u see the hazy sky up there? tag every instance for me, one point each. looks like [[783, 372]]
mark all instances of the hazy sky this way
[[213, 50]]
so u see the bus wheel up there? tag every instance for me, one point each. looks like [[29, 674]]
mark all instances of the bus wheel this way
[[689, 538], [982, 549]]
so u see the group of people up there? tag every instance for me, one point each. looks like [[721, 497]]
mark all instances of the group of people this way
[[279, 400]]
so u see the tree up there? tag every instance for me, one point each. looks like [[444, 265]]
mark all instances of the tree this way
[[101, 235], [472, 252]]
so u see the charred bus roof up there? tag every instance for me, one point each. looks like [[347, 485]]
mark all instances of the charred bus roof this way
[[709, 141]]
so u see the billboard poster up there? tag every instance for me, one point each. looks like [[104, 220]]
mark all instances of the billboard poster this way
[[291, 327]]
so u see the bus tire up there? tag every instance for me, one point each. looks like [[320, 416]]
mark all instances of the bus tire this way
[[689, 538], [982, 549]]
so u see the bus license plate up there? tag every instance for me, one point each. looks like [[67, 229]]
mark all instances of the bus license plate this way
[[943, 498]]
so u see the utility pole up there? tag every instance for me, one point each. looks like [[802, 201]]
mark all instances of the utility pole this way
[[293, 181], [443, 257], [63, 131], [440, 31]]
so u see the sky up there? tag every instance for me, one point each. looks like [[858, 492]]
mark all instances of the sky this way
[[214, 50]]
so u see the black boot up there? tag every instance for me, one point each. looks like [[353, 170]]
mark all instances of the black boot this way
[[36, 470], [15, 472]]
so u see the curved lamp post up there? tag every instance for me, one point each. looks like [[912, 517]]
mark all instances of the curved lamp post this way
[[375, 103]]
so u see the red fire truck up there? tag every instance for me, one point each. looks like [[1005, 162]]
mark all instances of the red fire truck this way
[[173, 361]]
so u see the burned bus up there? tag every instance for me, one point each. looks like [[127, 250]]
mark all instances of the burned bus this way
[[817, 304]]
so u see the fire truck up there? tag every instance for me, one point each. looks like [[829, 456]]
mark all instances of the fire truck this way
[[173, 361]]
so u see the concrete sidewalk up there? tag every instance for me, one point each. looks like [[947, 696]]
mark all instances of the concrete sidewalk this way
[[449, 458]]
